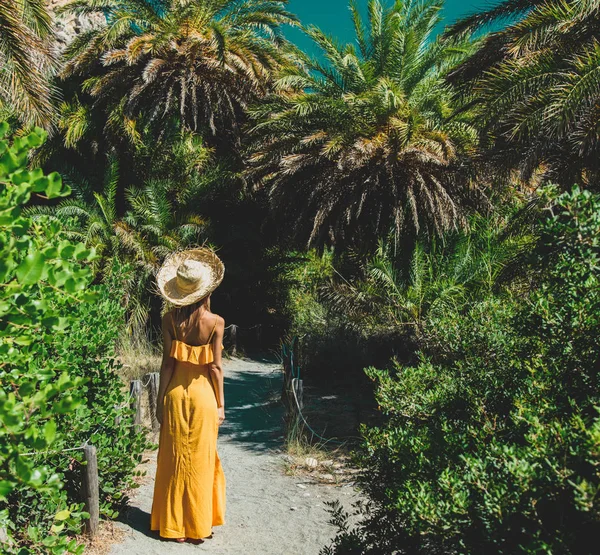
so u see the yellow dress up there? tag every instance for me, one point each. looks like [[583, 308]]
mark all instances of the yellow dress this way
[[189, 491]]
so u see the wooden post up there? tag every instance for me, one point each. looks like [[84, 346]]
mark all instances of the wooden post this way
[[153, 379], [234, 340], [135, 393], [287, 377], [89, 489]]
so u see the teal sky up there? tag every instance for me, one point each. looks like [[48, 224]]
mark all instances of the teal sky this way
[[333, 16]]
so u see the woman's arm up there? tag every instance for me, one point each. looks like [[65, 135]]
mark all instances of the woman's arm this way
[[166, 368], [216, 368]]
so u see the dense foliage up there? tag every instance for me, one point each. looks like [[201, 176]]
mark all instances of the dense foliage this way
[[353, 312], [27, 61], [59, 385], [204, 61], [362, 142], [537, 86], [491, 441]]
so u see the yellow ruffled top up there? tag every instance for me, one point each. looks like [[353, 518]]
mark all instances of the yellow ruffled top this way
[[194, 354]]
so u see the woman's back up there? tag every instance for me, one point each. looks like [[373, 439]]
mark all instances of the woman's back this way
[[196, 329]]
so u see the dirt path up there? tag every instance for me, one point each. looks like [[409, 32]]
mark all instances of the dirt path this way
[[268, 512]]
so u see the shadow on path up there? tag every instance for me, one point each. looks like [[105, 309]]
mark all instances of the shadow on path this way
[[253, 410], [138, 520]]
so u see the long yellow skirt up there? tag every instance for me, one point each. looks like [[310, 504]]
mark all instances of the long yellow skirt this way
[[189, 491]]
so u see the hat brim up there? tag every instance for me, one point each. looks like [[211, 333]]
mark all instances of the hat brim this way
[[166, 277]]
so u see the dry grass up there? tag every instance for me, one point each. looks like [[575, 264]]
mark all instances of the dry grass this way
[[323, 466], [139, 357], [335, 416], [108, 534], [321, 462]]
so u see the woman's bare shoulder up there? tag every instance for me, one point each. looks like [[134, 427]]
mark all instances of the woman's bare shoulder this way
[[220, 321], [167, 318]]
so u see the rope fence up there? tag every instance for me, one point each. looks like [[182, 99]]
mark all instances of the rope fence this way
[[135, 391], [50, 452], [89, 489]]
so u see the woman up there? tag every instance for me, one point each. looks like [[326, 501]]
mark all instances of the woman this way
[[189, 491]]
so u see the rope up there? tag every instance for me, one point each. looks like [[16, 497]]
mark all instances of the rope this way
[[50, 452], [295, 376], [86, 442], [147, 382], [326, 440]]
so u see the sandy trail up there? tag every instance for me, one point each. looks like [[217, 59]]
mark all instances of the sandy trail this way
[[267, 511]]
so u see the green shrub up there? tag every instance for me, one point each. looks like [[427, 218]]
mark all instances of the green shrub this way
[[58, 381], [336, 340], [492, 441], [355, 310]]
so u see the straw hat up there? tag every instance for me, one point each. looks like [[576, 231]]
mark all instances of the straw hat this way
[[188, 276]]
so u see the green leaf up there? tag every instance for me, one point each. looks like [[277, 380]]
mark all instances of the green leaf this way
[[26, 389], [89, 296], [40, 184], [32, 269], [65, 405], [66, 250], [24, 340], [70, 285], [50, 321], [20, 176], [36, 138], [6, 266], [50, 431], [55, 186], [81, 252], [57, 528], [34, 533], [5, 488], [50, 252], [62, 515], [23, 469]]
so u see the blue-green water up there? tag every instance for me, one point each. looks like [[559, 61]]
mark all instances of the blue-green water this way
[[333, 17]]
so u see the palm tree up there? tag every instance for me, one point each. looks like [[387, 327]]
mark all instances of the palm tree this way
[[537, 85], [441, 276], [203, 60], [360, 143], [26, 61]]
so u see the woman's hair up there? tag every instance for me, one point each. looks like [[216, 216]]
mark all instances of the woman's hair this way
[[184, 315]]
